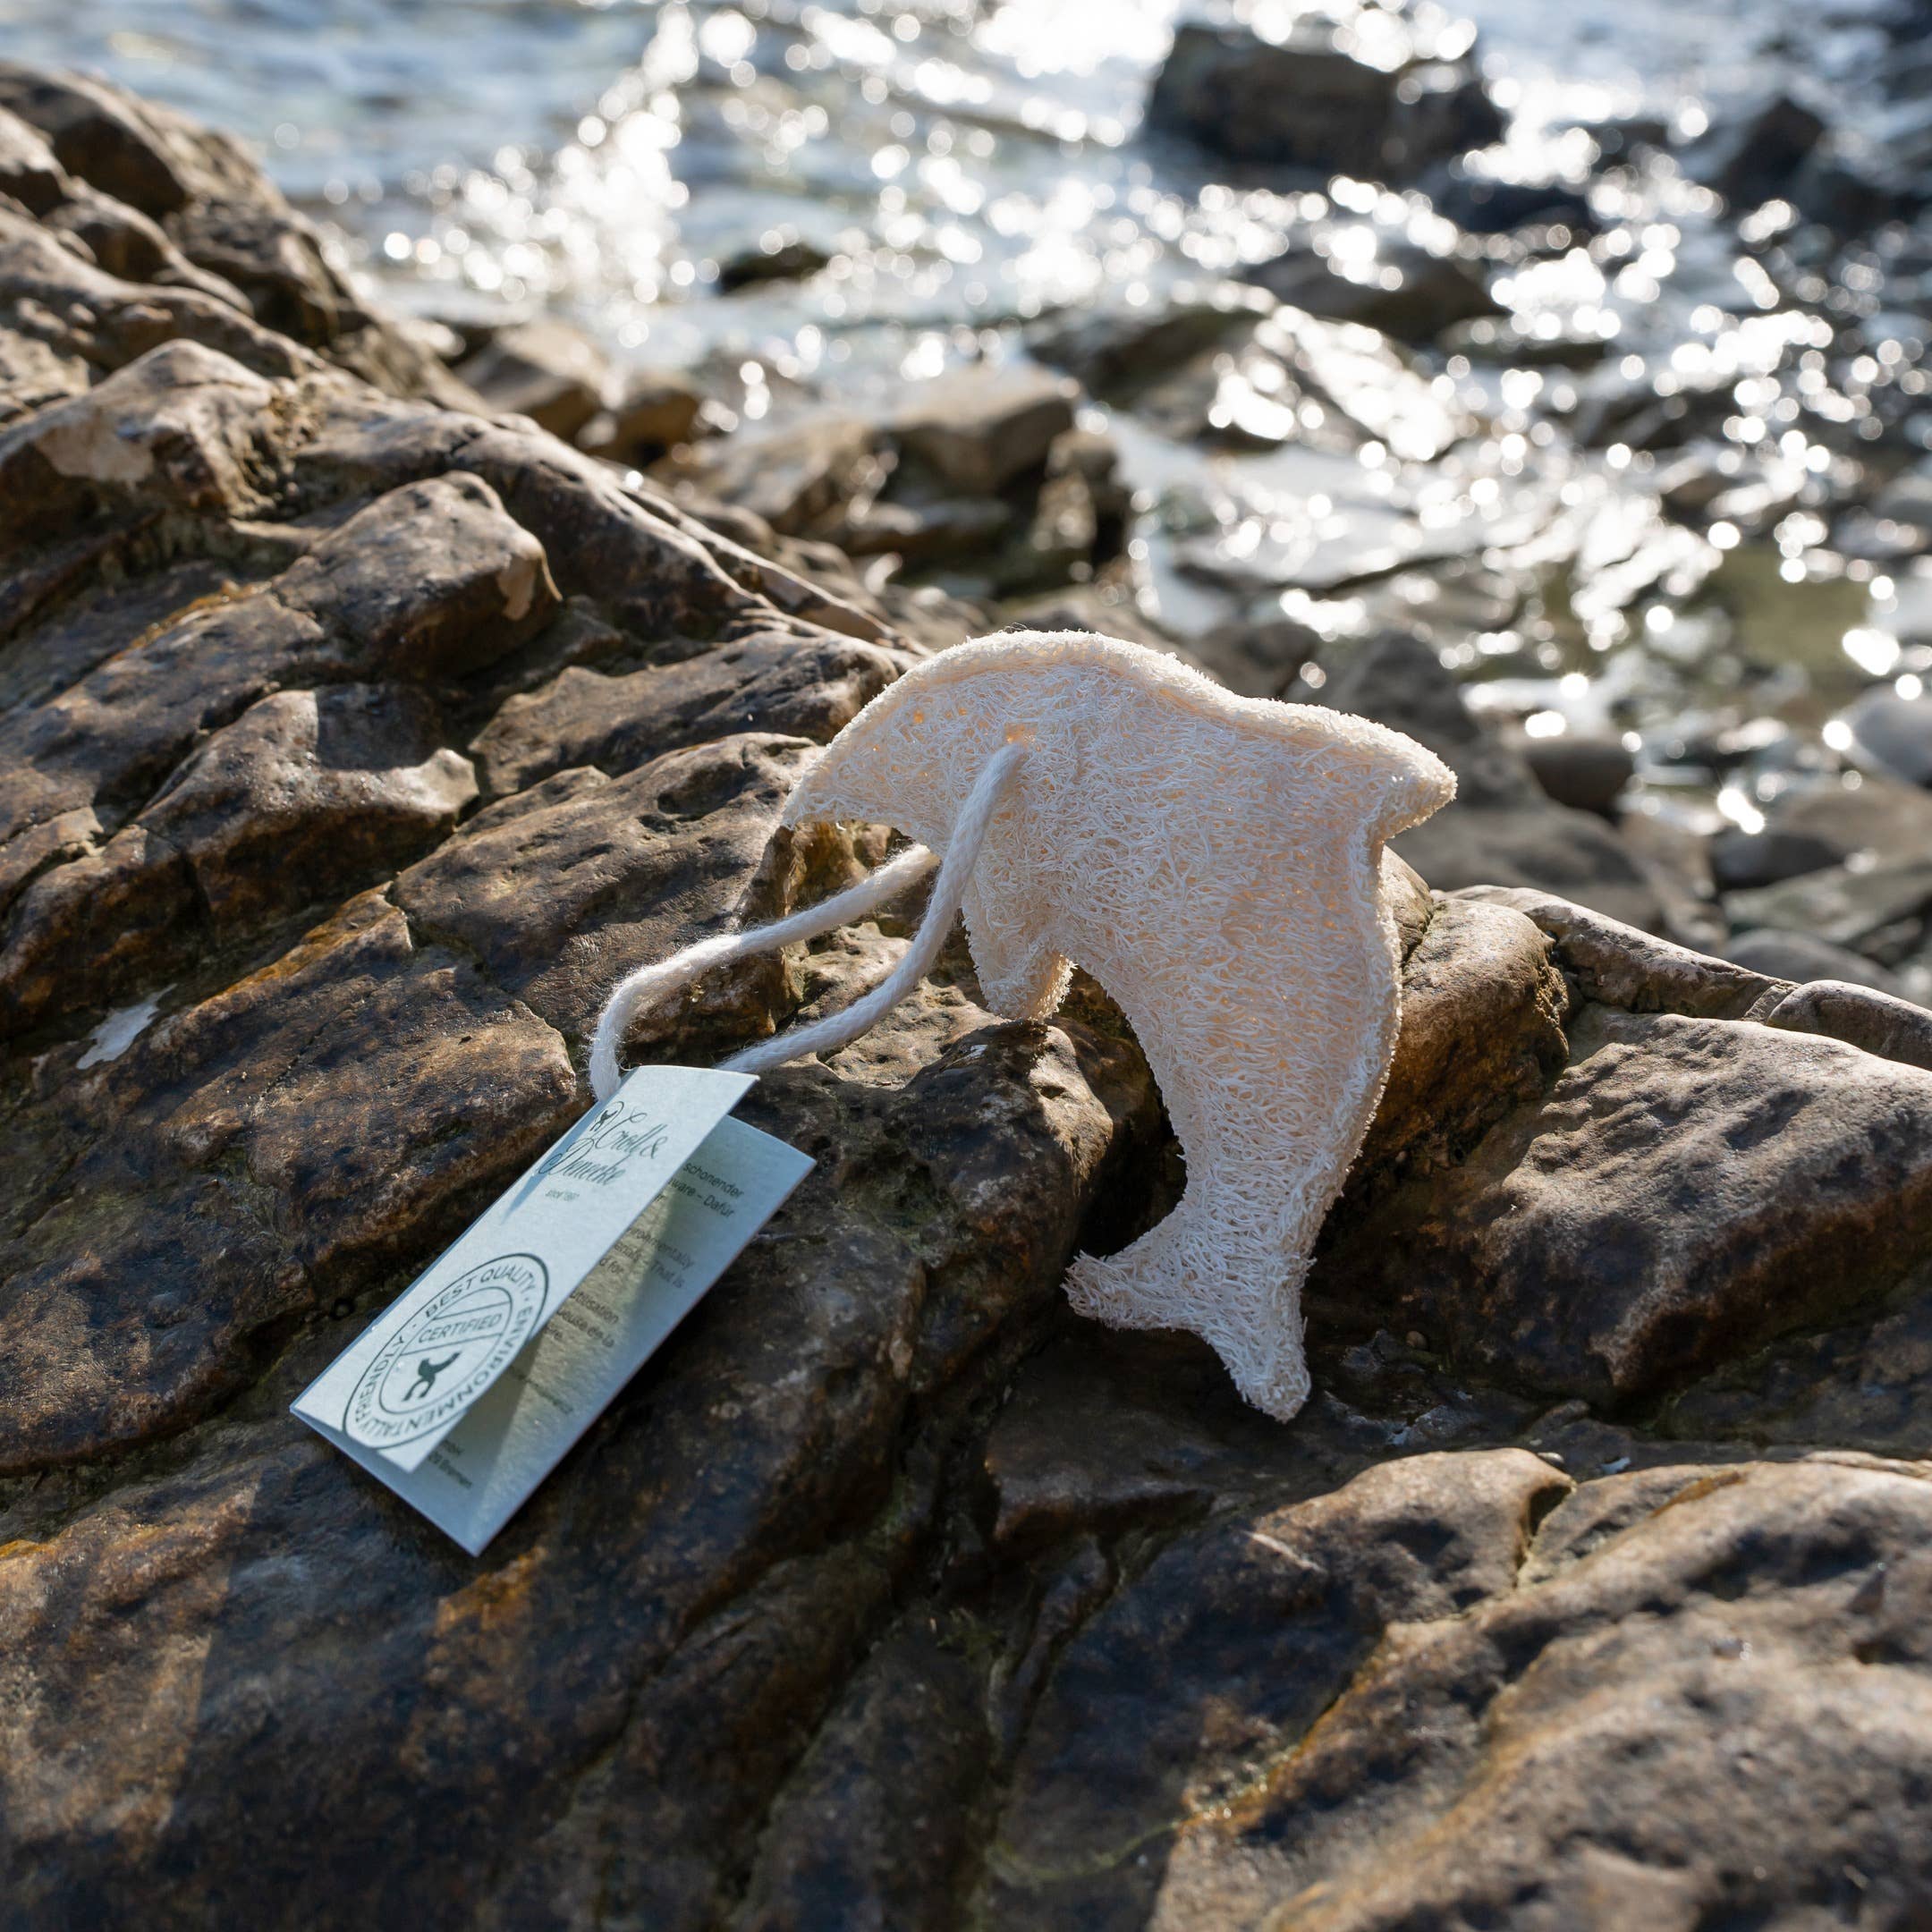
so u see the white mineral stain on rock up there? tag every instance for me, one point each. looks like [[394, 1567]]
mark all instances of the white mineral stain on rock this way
[[517, 580], [119, 1031]]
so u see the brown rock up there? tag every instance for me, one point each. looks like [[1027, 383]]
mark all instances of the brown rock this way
[[807, 475], [150, 196], [1717, 1707], [1688, 1189], [655, 412], [980, 427], [544, 370], [1214, 1663], [771, 683], [1483, 1008]]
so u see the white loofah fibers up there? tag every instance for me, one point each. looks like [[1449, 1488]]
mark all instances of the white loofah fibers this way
[[1214, 861]]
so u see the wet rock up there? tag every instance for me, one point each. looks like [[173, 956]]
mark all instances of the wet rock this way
[[1226, 1695], [1502, 828], [1656, 1286], [1893, 1029], [812, 474], [1752, 160], [1306, 101], [1894, 734], [28, 169], [921, 527], [1480, 205], [1409, 293], [1581, 770], [1859, 813], [1115, 352], [1079, 517], [769, 684], [776, 259], [873, 1828], [980, 427], [1483, 1010], [1802, 956], [1624, 136], [1552, 344], [1676, 860], [304, 798], [1564, 1251], [547, 370], [1294, 378]]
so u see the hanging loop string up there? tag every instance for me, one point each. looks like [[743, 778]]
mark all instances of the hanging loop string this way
[[652, 983]]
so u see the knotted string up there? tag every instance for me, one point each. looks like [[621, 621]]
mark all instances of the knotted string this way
[[649, 984]]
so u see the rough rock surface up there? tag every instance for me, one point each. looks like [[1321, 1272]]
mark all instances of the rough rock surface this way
[[351, 746]]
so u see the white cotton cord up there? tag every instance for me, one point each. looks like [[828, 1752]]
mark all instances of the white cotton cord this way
[[649, 984]]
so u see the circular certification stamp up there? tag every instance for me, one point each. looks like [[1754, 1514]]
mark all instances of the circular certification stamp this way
[[447, 1353]]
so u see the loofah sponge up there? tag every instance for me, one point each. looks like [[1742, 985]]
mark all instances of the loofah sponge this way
[[1214, 861]]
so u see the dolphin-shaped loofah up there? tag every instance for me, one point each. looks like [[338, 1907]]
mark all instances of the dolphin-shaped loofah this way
[[1215, 863]]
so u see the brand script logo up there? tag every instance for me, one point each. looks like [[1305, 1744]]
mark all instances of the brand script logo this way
[[448, 1352], [610, 1140]]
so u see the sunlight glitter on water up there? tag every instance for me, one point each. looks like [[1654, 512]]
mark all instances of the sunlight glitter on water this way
[[1652, 433]]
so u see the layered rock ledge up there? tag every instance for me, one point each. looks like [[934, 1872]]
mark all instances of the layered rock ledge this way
[[351, 743]]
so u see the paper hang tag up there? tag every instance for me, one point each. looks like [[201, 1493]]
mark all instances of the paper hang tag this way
[[462, 1396]]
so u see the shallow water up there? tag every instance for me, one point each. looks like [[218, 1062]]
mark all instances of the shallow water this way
[[977, 170]]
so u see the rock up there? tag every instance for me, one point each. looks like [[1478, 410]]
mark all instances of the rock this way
[[1307, 101], [1166, 1701], [1409, 292], [1625, 136], [1741, 861], [1681, 1619], [815, 473], [1891, 1028], [1483, 1010], [1553, 343], [1565, 1252], [1677, 862], [28, 169], [1860, 812], [1880, 911], [1080, 517], [1502, 828], [980, 427], [1893, 735], [766, 683], [1802, 956], [1114, 352], [1297, 379], [1579, 769], [1479, 205], [305, 797], [159, 200], [778, 257], [1752, 160], [655, 412], [547, 370]]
